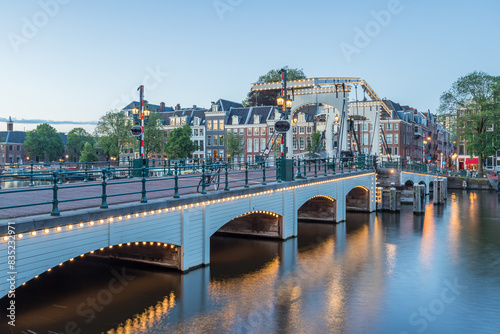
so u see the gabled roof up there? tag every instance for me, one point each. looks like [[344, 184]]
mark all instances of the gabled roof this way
[[12, 137], [154, 107], [226, 105], [189, 113]]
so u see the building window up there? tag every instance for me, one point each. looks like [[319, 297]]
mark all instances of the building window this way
[[388, 126], [395, 150], [249, 131], [294, 129], [209, 125], [262, 144], [301, 143], [256, 131], [242, 132], [263, 131], [249, 145], [209, 140], [271, 130], [396, 126], [365, 139], [309, 129], [396, 139], [301, 130], [216, 127], [365, 127], [201, 146], [201, 132], [221, 140], [388, 138], [309, 141], [221, 124], [195, 132], [256, 145], [216, 141]]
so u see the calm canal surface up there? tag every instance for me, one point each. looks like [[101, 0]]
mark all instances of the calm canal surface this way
[[376, 273]]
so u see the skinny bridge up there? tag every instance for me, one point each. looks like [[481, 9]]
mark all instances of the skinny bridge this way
[[175, 232]]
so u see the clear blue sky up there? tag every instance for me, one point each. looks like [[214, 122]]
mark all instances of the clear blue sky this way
[[87, 57]]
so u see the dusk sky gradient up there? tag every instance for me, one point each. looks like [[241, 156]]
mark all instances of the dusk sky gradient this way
[[92, 55]]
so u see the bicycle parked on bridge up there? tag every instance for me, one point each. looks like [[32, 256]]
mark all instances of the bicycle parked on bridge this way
[[212, 178]]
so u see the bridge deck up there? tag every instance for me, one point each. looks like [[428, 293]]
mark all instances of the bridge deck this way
[[154, 191]]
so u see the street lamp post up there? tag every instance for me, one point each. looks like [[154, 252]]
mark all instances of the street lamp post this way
[[286, 105], [423, 150], [144, 115]]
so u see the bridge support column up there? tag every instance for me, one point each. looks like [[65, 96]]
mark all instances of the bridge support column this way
[[419, 199], [439, 192], [394, 200]]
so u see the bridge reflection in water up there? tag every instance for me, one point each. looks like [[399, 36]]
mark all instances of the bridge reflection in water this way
[[370, 274]]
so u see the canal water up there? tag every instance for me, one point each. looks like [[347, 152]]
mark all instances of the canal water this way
[[376, 273]]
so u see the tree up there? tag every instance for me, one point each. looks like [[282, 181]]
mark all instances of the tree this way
[[88, 153], [179, 144], [113, 130], [315, 142], [154, 135], [471, 107], [234, 144], [77, 138], [43, 142], [268, 97]]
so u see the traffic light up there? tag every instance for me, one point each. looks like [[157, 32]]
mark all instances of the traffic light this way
[[281, 126], [136, 131]]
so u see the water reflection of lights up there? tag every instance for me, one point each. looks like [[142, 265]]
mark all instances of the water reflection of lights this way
[[428, 236], [151, 317]]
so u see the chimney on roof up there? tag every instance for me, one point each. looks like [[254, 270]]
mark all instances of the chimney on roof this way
[[10, 124], [194, 106], [162, 106], [177, 107]]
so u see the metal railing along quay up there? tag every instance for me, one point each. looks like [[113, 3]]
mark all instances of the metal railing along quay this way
[[123, 184]]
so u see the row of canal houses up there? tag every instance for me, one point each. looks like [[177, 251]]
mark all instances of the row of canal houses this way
[[404, 133]]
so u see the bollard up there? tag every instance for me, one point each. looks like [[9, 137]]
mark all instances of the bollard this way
[[143, 191], [439, 192], [104, 203], [393, 200], [418, 199], [55, 201], [298, 176], [176, 182]]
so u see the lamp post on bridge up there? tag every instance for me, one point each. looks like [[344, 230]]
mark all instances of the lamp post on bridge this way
[[142, 113], [285, 103]]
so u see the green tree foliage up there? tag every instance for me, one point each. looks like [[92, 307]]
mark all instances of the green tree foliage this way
[[154, 135], [268, 97], [179, 144], [113, 130], [43, 142], [315, 142], [471, 106], [77, 138], [234, 144], [88, 153]]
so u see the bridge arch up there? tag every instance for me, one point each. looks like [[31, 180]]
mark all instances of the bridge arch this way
[[319, 208], [358, 199], [260, 223], [409, 183]]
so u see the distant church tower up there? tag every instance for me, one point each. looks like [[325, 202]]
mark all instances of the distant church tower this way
[[10, 124]]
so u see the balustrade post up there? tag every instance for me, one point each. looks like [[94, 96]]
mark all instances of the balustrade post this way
[[299, 175], [60, 173], [264, 174], [203, 179], [325, 167], [226, 188], [315, 167], [246, 175], [104, 203], [169, 172], [86, 179], [55, 201], [31, 175], [143, 191], [278, 170], [176, 181]]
